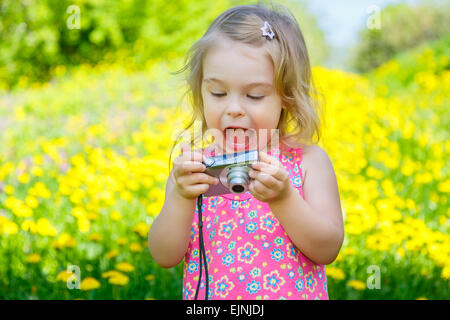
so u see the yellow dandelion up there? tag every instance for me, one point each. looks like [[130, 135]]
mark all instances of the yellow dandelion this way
[[116, 216], [45, 228], [135, 247], [116, 277], [7, 226], [24, 178], [31, 201], [356, 284], [89, 284], [112, 253], [95, 236], [142, 229], [111, 273], [33, 258], [121, 241], [446, 272], [334, 272], [121, 280], [125, 267], [64, 276], [29, 225], [65, 240], [37, 171], [150, 277], [9, 189], [421, 298]]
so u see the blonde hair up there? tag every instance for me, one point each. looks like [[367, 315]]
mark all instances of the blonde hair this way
[[300, 119]]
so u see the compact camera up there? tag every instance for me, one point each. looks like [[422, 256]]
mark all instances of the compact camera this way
[[232, 171]]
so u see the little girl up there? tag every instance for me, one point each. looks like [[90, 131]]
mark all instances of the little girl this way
[[249, 77]]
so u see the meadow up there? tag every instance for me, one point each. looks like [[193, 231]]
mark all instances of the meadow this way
[[84, 160]]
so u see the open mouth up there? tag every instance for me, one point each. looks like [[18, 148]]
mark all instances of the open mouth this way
[[239, 138]]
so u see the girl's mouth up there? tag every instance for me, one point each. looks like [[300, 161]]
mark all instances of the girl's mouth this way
[[239, 138]]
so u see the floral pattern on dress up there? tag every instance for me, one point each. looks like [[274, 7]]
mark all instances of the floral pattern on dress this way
[[249, 254]]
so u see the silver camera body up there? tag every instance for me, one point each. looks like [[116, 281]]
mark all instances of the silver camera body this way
[[232, 171]]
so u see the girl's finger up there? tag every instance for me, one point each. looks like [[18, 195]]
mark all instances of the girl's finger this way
[[259, 187], [186, 167], [255, 193], [196, 178], [265, 178], [277, 172]]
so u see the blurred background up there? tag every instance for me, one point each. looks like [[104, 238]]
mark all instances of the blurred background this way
[[88, 109]]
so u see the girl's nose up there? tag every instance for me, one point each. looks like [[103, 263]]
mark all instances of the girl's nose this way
[[235, 109]]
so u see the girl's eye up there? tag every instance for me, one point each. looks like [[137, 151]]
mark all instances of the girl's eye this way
[[223, 94]]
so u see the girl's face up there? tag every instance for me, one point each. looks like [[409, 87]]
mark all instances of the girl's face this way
[[239, 96]]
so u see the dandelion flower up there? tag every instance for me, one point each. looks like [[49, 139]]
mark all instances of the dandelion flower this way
[[356, 284], [33, 258], [125, 267], [89, 284]]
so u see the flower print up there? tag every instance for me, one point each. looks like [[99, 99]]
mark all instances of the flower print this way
[[291, 251], [299, 285], [245, 204], [226, 228], [253, 287], [300, 271], [193, 266], [223, 286], [219, 250], [241, 221], [310, 282], [279, 241], [242, 277], [193, 233], [208, 225], [268, 222], [247, 253], [255, 272], [287, 158], [232, 245], [296, 168], [213, 202], [251, 227], [212, 234], [195, 253], [252, 214], [277, 254], [291, 274], [187, 291], [216, 219], [234, 204], [228, 259], [266, 244], [320, 275], [273, 281], [297, 181]]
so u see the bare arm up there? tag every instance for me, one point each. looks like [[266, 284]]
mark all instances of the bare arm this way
[[168, 237], [315, 226]]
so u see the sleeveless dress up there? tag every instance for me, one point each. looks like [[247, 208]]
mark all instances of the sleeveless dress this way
[[249, 254]]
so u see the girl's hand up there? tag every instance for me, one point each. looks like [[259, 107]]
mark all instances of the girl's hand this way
[[187, 172], [271, 180]]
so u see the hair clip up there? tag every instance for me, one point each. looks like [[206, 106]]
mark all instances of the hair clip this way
[[267, 30]]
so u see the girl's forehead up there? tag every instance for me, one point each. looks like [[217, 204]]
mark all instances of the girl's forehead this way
[[239, 62]]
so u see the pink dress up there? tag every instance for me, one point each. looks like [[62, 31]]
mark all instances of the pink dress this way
[[249, 254]]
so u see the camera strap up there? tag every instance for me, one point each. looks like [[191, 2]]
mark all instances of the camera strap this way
[[201, 249]]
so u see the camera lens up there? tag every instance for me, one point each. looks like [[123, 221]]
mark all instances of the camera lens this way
[[238, 179]]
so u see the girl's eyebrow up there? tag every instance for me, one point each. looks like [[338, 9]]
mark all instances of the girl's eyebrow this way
[[253, 84]]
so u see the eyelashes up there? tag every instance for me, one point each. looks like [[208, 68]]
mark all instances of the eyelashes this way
[[220, 95]]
